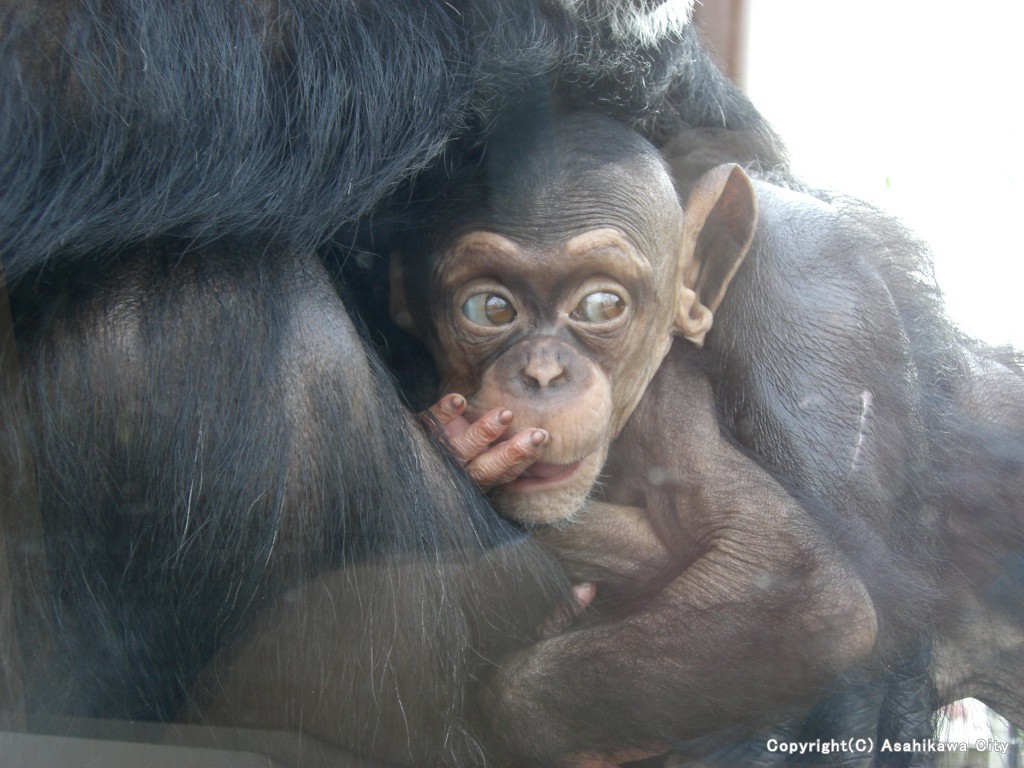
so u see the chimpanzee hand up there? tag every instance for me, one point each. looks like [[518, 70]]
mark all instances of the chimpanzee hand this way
[[489, 459]]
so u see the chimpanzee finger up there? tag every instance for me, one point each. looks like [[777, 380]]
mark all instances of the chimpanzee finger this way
[[478, 436], [567, 613], [507, 460], [447, 409]]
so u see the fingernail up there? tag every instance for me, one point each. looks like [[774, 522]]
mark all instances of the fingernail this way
[[538, 437], [505, 416], [457, 402]]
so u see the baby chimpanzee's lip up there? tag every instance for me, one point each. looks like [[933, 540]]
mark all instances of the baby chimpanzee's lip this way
[[543, 473], [549, 471]]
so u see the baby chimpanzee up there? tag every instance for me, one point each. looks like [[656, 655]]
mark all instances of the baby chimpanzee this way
[[551, 294]]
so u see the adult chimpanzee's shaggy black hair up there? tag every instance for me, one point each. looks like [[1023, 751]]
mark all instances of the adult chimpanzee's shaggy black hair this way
[[126, 121]]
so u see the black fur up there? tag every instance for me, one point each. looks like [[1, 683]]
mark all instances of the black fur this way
[[126, 121]]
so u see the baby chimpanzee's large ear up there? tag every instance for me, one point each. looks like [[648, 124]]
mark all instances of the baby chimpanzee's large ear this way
[[720, 218]]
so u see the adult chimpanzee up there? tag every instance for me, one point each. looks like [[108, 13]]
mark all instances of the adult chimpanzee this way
[[194, 422]]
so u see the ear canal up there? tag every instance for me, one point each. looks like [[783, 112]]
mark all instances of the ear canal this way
[[693, 319], [720, 219]]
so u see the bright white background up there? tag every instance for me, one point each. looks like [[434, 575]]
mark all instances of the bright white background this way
[[917, 107]]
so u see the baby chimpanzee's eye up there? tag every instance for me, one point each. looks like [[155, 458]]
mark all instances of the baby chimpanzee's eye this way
[[599, 307], [489, 309]]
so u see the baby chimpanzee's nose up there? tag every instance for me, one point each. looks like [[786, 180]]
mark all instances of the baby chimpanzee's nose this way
[[543, 367]]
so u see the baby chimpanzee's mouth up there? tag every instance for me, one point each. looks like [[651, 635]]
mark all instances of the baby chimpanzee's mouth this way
[[549, 472]]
